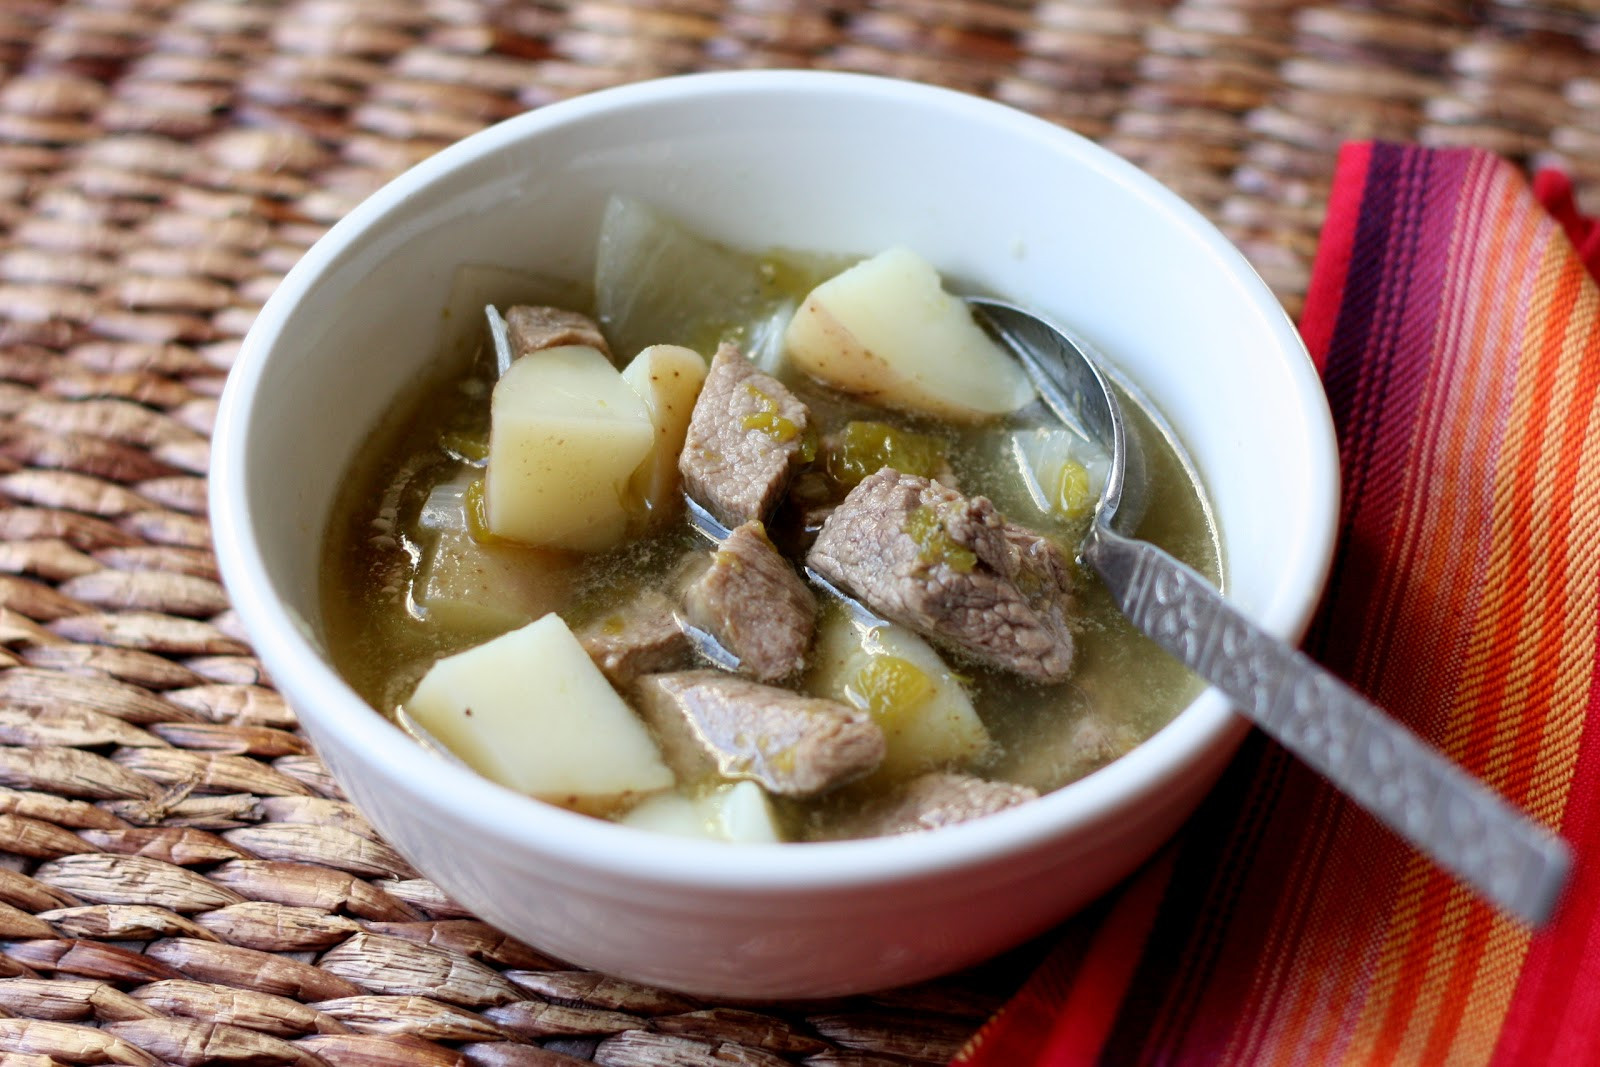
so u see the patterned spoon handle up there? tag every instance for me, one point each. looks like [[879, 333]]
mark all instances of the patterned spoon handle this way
[[1407, 784]]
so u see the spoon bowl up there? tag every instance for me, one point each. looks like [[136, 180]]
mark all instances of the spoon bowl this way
[[1073, 387], [1411, 787]]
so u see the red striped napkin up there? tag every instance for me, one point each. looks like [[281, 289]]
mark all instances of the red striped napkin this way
[[1458, 333]]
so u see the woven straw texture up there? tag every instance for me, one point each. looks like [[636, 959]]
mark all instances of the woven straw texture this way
[[180, 880]]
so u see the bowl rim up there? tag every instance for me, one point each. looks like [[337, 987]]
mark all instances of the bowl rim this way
[[531, 827]]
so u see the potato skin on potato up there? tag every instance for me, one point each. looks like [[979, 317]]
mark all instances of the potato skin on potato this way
[[668, 379], [886, 331]]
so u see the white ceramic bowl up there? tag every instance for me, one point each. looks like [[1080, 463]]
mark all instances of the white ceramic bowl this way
[[825, 162]]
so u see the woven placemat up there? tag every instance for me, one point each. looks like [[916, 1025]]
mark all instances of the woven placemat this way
[[180, 880]]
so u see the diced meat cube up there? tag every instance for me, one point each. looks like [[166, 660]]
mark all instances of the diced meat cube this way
[[951, 568], [641, 637], [532, 328], [744, 442], [1094, 742], [927, 802], [710, 723], [752, 601]]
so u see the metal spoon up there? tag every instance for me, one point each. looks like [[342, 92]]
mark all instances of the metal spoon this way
[[1407, 784]]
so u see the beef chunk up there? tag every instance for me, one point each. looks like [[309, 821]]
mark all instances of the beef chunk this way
[[939, 798], [533, 328], [953, 569], [1094, 742], [714, 723], [752, 601], [744, 442], [640, 638]]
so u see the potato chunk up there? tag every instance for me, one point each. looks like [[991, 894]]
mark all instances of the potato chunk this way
[[566, 435], [896, 677], [531, 711], [739, 812], [465, 585], [668, 379], [885, 330]]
